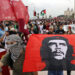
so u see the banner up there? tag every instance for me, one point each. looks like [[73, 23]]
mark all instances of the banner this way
[[50, 52]]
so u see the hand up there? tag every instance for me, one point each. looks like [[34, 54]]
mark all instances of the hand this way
[[1, 64], [0, 73]]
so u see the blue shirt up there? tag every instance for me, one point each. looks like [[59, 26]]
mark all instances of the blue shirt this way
[[2, 32]]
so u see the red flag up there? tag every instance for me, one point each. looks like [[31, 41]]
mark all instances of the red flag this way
[[21, 13], [34, 13], [19, 9], [49, 52], [14, 10], [6, 12], [27, 15]]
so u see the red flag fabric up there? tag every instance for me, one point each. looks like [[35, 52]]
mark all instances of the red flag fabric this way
[[34, 13], [19, 11], [14, 10], [5, 70], [50, 52], [44, 11], [27, 15], [6, 12]]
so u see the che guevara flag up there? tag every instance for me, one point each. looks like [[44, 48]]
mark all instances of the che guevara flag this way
[[49, 52]]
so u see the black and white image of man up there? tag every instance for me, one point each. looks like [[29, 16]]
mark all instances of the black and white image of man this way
[[58, 48], [56, 52]]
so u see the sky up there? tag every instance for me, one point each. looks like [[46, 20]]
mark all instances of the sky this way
[[53, 7]]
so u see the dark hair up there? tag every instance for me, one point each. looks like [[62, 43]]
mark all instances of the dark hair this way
[[2, 27], [12, 32], [46, 54]]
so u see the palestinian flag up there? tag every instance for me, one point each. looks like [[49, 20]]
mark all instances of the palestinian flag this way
[[43, 12]]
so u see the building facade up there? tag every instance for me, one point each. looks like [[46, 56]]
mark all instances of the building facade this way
[[68, 12]]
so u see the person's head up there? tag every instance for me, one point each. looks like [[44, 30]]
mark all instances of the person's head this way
[[15, 46], [32, 28], [61, 27], [13, 40], [1, 27], [69, 30], [55, 47], [59, 48], [51, 29]]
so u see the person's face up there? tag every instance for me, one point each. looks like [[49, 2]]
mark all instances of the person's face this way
[[32, 28], [10, 44], [58, 48], [51, 29], [61, 27]]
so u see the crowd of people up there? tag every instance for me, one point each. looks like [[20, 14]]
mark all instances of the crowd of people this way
[[13, 42], [46, 26]]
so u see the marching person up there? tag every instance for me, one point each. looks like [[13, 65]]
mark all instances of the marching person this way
[[15, 55]]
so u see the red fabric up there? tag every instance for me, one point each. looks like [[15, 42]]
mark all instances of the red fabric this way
[[34, 13], [21, 13], [33, 60], [6, 12], [21, 25], [69, 27], [5, 70], [19, 9], [26, 32], [27, 15], [44, 11], [14, 10], [47, 27]]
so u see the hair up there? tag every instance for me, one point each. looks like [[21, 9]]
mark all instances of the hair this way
[[2, 27], [46, 54]]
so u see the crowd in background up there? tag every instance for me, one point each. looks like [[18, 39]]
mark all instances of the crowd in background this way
[[39, 26], [46, 26]]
